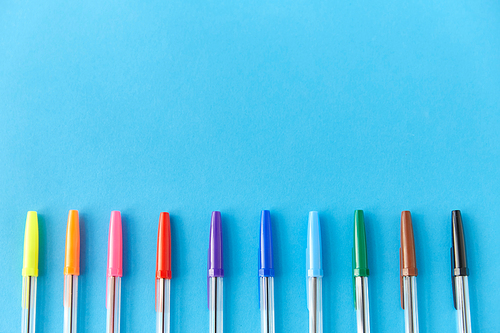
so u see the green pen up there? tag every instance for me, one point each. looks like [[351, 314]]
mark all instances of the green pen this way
[[360, 274]]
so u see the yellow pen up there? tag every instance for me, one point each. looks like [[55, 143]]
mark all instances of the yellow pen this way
[[30, 273]]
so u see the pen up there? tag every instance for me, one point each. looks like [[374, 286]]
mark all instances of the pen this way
[[30, 273], [460, 273], [114, 273], [215, 275], [71, 272], [163, 275], [360, 274], [314, 274], [266, 274], [408, 274]]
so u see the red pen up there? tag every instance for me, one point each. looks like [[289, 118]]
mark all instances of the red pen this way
[[163, 275]]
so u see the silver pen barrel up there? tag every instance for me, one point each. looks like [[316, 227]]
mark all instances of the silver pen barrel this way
[[162, 305], [315, 304], [216, 304], [29, 304], [410, 304], [113, 304], [362, 304], [267, 304], [70, 303], [462, 303]]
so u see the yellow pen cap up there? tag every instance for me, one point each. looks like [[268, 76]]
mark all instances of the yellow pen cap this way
[[30, 256]]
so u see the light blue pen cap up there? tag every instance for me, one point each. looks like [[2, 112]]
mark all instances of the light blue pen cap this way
[[314, 257]]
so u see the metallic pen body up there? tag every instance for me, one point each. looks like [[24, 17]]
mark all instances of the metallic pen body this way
[[29, 304], [216, 304], [162, 305], [113, 304], [410, 304], [362, 304], [266, 304], [70, 303], [463, 307], [315, 305]]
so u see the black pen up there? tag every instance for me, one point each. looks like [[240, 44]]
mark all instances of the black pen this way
[[460, 273]]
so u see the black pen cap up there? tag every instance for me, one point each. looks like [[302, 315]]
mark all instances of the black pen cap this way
[[458, 253]]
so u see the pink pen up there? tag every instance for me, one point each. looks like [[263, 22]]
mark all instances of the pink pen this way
[[114, 273]]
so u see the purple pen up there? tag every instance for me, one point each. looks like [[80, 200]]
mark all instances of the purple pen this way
[[215, 275]]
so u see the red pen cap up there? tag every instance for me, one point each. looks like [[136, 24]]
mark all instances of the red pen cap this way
[[164, 250]]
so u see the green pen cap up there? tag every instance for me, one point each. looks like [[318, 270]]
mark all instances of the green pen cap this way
[[360, 258]]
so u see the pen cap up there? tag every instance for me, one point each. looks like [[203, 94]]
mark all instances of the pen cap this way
[[30, 254], [360, 257], [458, 253], [115, 245], [215, 264], [72, 254], [313, 252], [407, 258], [164, 249], [266, 267]]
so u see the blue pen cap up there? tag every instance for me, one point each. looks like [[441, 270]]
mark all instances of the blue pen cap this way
[[266, 267], [314, 256]]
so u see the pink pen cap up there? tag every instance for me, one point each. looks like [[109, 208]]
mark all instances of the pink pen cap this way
[[115, 245]]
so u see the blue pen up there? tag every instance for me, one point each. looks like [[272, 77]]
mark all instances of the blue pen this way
[[266, 274], [314, 274]]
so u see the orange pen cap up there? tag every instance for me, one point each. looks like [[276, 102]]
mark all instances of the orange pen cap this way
[[72, 256]]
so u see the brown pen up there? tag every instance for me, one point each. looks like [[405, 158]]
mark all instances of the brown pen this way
[[408, 274]]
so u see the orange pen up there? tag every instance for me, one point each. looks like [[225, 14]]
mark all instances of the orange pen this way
[[71, 272]]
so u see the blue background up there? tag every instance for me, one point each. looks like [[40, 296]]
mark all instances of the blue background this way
[[193, 106]]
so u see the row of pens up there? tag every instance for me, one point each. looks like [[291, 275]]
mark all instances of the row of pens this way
[[215, 274]]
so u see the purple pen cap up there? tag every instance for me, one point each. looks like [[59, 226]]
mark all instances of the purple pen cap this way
[[215, 266], [214, 252]]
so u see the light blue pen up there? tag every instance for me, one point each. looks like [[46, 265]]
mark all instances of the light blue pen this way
[[314, 274]]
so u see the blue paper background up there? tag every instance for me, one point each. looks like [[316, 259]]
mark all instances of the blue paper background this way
[[238, 106]]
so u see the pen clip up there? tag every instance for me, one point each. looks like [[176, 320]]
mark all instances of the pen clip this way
[[107, 281], [453, 279], [401, 278], [208, 280], [307, 277], [258, 276], [353, 279]]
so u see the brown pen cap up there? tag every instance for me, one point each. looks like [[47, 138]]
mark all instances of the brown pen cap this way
[[407, 259]]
